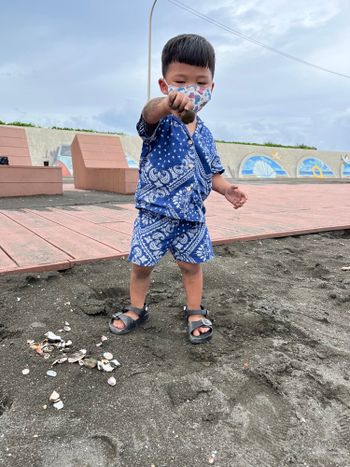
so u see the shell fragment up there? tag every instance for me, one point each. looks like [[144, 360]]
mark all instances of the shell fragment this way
[[112, 381], [52, 337], [54, 397], [108, 356]]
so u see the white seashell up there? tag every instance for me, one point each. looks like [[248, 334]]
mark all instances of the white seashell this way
[[66, 322], [104, 338], [51, 373], [54, 397], [264, 170], [67, 328], [58, 405], [52, 337], [99, 344], [107, 356], [60, 360], [112, 381], [104, 367], [26, 371], [76, 356]]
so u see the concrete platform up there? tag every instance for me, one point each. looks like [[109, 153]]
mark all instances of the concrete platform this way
[[58, 237]]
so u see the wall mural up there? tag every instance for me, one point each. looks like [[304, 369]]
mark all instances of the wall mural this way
[[62, 157], [314, 167], [345, 169], [262, 166]]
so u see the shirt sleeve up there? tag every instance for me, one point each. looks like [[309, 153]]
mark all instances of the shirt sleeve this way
[[147, 132], [216, 165]]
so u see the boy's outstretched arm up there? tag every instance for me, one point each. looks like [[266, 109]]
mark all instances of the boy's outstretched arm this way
[[231, 192], [156, 109]]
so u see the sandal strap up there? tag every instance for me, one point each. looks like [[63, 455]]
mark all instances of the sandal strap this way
[[128, 322], [204, 322], [203, 311], [138, 311]]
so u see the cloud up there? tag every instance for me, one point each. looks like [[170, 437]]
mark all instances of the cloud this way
[[88, 68]]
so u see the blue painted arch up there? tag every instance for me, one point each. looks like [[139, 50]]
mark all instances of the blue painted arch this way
[[261, 166]]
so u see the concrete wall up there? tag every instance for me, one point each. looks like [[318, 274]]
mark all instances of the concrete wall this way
[[239, 160]]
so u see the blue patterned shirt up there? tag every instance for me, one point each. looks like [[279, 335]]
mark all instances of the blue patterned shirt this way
[[176, 169]]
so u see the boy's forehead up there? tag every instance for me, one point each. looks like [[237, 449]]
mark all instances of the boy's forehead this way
[[179, 68]]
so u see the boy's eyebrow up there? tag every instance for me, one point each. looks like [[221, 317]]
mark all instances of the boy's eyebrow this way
[[183, 75]]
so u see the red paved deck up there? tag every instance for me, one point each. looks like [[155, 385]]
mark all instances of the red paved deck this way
[[58, 238]]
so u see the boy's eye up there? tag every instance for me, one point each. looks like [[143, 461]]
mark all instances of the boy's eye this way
[[202, 84]]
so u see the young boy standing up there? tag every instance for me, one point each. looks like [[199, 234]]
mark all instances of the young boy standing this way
[[179, 166]]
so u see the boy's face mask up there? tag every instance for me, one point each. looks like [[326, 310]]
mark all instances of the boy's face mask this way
[[199, 95]]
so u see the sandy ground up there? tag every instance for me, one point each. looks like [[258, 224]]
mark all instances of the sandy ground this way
[[271, 389]]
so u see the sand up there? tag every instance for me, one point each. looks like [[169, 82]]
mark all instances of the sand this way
[[271, 389]]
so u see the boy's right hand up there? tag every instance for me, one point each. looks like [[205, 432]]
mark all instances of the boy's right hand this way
[[178, 102]]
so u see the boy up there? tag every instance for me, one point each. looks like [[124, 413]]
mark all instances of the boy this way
[[179, 166]]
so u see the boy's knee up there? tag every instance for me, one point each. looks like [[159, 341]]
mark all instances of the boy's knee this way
[[189, 268], [141, 272]]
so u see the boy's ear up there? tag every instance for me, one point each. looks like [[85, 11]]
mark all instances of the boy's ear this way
[[163, 86]]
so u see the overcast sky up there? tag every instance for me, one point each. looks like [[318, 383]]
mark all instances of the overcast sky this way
[[83, 64]]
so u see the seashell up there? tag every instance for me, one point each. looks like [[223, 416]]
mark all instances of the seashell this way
[[45, 406], [104, 338], [112, 381], [47, 348], [66, 322], [52, 337], [99, 344], [107, 356], [114, 362], [60, 360], [76, 356], [55, 397], [104, 366], [69, 343], [67, 328], [90, 362], [26, 371], [58, 405], [51, 373]]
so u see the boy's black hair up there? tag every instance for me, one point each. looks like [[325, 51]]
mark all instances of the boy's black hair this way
[[190, 49]]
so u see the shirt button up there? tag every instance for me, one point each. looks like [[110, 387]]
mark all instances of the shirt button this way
[[190, 142], [190, 166], [189, 188]]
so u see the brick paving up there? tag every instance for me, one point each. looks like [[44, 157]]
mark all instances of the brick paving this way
[[53, 238]]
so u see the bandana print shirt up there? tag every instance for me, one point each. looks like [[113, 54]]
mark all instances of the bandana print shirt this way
[[176, 169]]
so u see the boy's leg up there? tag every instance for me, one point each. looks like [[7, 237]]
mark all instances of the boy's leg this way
[[140, 278], [192, 278]]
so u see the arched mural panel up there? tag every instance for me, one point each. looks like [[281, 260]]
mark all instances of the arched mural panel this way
[[345, 168], [314, 167], [261, 166]]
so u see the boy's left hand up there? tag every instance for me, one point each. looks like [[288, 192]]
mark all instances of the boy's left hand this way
[[235, 196]]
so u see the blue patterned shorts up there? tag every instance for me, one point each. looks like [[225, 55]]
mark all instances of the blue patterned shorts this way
[[155, 234]]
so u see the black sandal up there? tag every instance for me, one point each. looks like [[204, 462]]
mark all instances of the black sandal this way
[[193, 325], [129, 323]]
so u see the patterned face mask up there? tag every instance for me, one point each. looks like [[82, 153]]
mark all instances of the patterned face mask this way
[[199, 95]]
